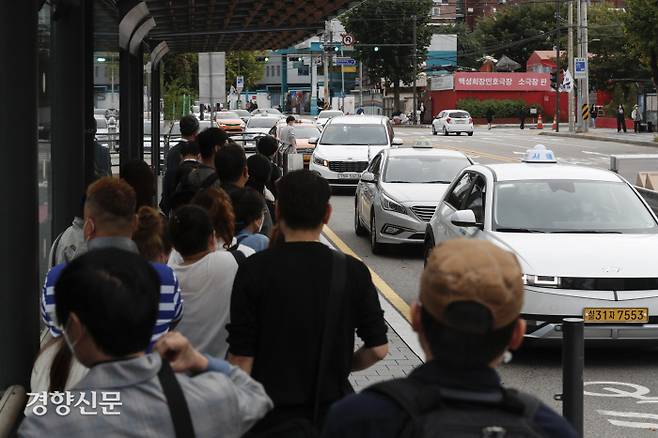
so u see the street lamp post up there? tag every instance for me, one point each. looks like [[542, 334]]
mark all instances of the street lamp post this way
[[415, 61]]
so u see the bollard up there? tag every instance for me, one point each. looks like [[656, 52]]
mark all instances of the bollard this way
[[573, 363]]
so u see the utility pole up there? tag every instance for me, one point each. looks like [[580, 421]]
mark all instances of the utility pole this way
[[342, 81], [557, 65], [584, 55], [326, 67], [360, 84], [570, 67], [415, 61], [579, 44]]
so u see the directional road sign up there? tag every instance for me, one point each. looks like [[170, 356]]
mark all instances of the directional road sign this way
[[239, 83], [580, 68], [346, 62]]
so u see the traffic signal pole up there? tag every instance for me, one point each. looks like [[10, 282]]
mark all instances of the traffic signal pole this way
[[557, 66], [415, 61]]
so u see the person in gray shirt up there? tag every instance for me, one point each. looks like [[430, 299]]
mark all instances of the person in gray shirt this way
[[122, 395]]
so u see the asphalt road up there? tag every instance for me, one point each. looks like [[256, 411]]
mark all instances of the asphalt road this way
[[626, 408]]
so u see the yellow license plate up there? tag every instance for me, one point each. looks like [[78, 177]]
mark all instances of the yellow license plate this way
[[625, 315]]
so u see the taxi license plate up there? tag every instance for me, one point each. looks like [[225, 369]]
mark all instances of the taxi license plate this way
[[624, 315], [349, 175]]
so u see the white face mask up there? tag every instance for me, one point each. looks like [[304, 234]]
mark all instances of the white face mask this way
[[69, 343]]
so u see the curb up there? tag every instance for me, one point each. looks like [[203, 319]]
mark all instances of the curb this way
[[606, 139]]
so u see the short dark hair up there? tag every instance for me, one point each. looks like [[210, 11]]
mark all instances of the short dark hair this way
[[189, 148], [190, 227], [303, 197], [230, 162], [248, 206], [189, 125], [290, 119], [115, 294], [141, 178], [208, 139], [260, 171], [267, 145], [461, 348]]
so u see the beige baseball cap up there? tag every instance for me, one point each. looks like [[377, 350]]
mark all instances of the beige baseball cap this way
[[469, 270]]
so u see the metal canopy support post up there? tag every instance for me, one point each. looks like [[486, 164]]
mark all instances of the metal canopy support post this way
[[72, 88], [19, 273], [137, 112], [284, 82], [125, 106], [155, 119], [573, 364]]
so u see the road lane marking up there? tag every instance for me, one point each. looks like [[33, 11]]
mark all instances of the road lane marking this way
[[379, 283], [495, 157], [629, 414]]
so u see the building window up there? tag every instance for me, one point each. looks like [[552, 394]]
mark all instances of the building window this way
[[436, 11], [267, 71], [278, 70]]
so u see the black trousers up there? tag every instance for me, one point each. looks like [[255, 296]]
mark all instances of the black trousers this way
[[636, 125], [621, 124]]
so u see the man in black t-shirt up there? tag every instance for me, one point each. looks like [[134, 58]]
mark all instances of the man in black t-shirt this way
[[279, 303]]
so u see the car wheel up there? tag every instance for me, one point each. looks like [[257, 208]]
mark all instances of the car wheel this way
[[429, 246], [359, 229], [445, 131], [459, 133], [376, 247], [470, 134], [433, 130]]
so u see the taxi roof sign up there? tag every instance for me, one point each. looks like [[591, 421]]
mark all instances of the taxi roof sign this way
[[423, 143], [539, 154]]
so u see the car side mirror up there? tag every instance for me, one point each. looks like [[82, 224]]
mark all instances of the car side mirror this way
[[464, 219], [368, 177], [313, 140], [397, 141]]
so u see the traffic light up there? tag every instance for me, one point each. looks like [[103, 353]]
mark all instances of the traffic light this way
[[554, 80]]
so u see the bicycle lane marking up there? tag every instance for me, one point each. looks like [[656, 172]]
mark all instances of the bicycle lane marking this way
[[624, 390]]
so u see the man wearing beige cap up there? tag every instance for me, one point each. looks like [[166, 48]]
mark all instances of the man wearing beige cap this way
[[467, 319]]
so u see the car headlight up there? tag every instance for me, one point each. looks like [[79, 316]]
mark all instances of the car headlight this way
[[541, 280], [320, 161], [390, 205]]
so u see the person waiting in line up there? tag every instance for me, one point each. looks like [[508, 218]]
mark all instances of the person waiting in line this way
[[70, 241], [141, 178], [270, 307], [232, 170], [210, 141], [109, 222], [206, 278], [151, 236], [636, 115], [102, 159], [189, 128], [189, 160], [260, 173], [268, 146], [467, 318], [621, 119], [145, 387], [249, 207]]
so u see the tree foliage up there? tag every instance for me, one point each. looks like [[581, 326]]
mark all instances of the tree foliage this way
[[641, 28], [383, 22], [517, 31], [180, 78], [243, 64]]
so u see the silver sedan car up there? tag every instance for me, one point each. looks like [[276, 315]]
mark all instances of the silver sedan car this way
[[399, 191]]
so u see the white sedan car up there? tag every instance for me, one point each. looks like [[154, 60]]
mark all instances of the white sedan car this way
[[450, 121], [586, 240], [399, 191]]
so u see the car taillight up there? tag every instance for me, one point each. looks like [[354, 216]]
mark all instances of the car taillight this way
[[448, 120], [470, 120]]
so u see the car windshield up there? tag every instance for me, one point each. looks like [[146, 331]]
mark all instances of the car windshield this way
[[227, 116], [570, 206], [423, 169], [261, 122], [329, 114], [459, 115], [306, 131], [354, 134]]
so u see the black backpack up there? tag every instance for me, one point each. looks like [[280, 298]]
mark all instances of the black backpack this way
[[437, 412]]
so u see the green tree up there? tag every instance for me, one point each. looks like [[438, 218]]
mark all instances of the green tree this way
[[613, 60], [517, 31], [641, 27], [243, 64], [180, 78], [384, 22]]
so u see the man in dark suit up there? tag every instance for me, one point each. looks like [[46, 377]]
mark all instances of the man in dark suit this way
[[189, 128]]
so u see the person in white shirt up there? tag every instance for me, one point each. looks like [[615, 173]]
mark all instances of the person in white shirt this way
[[288, 134], [206, 279]]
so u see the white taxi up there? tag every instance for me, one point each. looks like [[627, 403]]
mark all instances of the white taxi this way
[[586, 240]]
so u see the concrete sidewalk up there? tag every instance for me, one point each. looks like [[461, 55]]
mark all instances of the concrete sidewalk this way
[[609, 135]]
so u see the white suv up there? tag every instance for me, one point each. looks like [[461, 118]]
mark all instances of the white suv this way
[[346, 146]]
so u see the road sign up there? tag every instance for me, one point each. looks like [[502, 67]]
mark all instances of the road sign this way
[[239, 83], [580, 68], [348, 39], [345, 62]]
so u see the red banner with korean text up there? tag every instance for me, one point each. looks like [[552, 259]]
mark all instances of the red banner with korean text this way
[[481, 81]]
